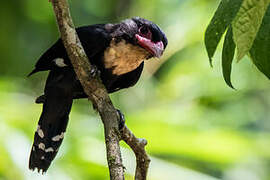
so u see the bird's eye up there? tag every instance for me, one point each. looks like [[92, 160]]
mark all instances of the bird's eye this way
[[145, 32]]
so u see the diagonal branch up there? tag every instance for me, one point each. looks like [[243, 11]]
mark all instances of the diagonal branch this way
[[93, 87]]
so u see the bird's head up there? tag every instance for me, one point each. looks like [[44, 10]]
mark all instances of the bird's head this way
[[143, 33]]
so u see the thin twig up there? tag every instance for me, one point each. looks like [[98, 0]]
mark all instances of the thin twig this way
[[138, 147], [97, 93]]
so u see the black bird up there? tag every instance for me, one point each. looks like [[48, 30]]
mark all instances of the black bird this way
[[117, 50]]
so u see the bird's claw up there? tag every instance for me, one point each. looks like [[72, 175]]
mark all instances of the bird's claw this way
[[94, 71], [122, 119]]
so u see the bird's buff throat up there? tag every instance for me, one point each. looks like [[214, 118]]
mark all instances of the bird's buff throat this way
[[122, 57]]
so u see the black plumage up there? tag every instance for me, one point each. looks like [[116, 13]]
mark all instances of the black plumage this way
[[117, 50]]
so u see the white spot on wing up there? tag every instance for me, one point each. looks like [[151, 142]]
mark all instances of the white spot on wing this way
[[40, 132], [33, 149], [50, 149], [59, 62], [41, 146], [42, 157], [58, 137]]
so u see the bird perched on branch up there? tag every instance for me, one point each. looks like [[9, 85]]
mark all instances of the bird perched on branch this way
[[117, 50]]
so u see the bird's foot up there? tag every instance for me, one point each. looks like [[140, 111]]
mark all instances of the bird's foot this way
[[122, 119], [94, 71]]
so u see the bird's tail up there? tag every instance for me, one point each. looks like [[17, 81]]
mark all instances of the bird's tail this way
[[53, 121]]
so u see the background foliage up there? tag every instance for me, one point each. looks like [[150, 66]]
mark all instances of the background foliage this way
[[247, 26], [197, 127]]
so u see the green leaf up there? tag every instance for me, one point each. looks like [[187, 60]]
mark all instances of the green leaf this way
[[223, 17], [260, 51], [227, 56], [247, 23]]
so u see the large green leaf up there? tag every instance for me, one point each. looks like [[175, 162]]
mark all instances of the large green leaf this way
[[227, 56], [223, 17], [247, 23], [260, 51]]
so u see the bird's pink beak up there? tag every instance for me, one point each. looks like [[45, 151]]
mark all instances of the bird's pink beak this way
[[156, 49]]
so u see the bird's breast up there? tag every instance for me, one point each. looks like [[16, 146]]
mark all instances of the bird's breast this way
[[123, 57]]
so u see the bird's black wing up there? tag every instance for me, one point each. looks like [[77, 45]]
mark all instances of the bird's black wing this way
[[95, 39]]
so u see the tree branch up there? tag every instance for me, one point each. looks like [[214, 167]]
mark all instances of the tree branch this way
[[93, 87], [137, 145]]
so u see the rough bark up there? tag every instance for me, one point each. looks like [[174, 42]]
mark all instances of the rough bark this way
[[137, 145], [93, 87]]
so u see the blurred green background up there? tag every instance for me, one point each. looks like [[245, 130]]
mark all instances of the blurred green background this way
[[197, 127]]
